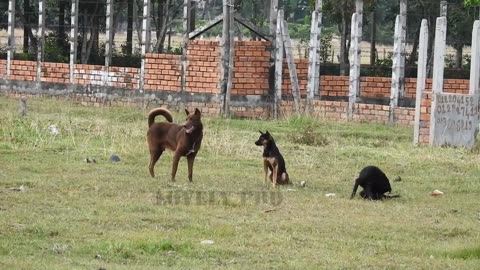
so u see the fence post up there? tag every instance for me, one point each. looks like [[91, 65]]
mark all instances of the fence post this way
[[291, 66], [359, 12], [108, 43], [40, 40], [231, 45], [396, 69], [225, 47], [183, 58], [312, 60], [475, 61], [353, 80], [145, 49], [73, 41], [278, 64], [438, 66], [421, 77], [318, 8], [11, 37], [403, 23]]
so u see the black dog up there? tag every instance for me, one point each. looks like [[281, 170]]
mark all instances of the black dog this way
[[272, 160], [374, 183]]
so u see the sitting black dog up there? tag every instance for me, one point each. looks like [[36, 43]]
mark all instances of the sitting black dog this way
[[374, 183]]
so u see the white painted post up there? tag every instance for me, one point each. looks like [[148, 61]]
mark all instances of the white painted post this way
[[11, 37], [439, 54], [145, 22], [403, 53], [318, 9], [225, 47], [40, 40], [421, 77], [231, 44], [312, 60], [292, 69], [475, 60], [359, 12], [73, 41], [183, 59], [396, 68], [438, 66], [354, 82], [278, 64], [108, 43], [443, 8]]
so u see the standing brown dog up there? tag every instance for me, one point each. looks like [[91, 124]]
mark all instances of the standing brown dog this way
[[184, 140]]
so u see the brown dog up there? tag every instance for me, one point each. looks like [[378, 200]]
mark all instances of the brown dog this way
[[184, 140]]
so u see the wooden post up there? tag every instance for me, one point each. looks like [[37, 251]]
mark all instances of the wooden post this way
[[278, 65], [73, 41], [108, 42], [40, 40], [183, 59], [291, 66], [272, 30], [359, 12], [396, 69], [421, 77], [312, 61], [231, 44], [403, 22], [11, 37], [318, 9], [475, 61], [439, 54], [225, 47], [143, 44], [354, 78]]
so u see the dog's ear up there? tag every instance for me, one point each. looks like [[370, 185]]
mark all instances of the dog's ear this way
[[187, 112], [197, 111], [261, 132], [267, 133]]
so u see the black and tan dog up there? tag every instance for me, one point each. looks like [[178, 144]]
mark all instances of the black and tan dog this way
[[272, 160], [184, 140], [374, 183]]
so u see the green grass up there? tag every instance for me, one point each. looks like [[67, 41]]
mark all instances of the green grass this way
[[78, 215]]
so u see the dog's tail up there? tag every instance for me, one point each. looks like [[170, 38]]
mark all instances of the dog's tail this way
[[159, 111]]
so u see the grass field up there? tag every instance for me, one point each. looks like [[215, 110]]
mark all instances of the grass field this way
[[78, 215]]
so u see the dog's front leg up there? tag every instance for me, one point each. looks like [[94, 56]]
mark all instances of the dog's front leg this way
[[176, 159], [265, 168], [190, 160], [275, 175]]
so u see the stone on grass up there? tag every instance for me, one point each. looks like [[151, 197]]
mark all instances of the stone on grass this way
[[397, 179], [114, 158], [330, 195], [437, 192], [207, 242]]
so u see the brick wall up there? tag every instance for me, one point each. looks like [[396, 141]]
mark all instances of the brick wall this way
[[251, 68], [118, 77], [425, 111], [23, 70], [3, 68], [55, 72], [203, 72], [162, 72]]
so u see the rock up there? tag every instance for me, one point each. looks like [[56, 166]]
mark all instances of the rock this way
[[303, 184], [437, 192], [330, 195], [397, 179], [20, 188], [207, 242], [53, 130], [98, 256], [114, 158], [90, 160], [291, 189]]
